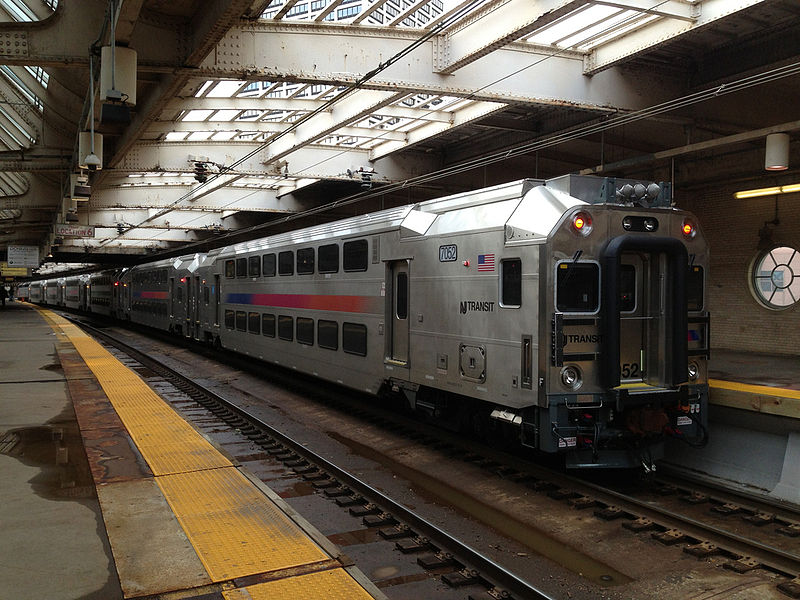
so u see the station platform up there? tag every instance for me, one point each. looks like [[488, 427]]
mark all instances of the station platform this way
[[108, 493]]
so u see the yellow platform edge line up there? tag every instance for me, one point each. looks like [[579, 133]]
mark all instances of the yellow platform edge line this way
[[235, 529], [335, 584], [764, 390]]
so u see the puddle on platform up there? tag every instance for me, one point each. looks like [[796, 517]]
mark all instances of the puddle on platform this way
[[599, 573], [56, 449]]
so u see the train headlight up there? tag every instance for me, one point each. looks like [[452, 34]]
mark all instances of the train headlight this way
[[571, 377], [688, 228], [582, 223], [694, 371]]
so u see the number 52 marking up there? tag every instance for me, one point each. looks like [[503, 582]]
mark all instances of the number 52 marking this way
[[630, 370]]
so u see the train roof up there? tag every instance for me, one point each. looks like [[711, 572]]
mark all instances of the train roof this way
[[528, 209], [473, 210]]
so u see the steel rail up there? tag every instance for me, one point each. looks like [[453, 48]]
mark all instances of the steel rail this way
[[487, 568]]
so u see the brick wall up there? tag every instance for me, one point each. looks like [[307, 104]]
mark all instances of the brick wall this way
[[731, 226]]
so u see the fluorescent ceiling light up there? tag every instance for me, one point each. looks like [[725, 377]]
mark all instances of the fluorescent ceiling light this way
[[769, 191]]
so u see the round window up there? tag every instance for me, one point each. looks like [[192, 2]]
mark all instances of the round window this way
[[776, 277]]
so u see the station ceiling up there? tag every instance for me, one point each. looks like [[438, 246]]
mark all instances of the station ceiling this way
[[248, 117]]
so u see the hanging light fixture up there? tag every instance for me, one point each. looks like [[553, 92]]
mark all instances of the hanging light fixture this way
[[776, 157]]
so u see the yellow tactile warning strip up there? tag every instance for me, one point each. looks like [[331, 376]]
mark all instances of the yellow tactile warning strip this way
[[167, 442], [325, 585], [213, 504], [235, 529]]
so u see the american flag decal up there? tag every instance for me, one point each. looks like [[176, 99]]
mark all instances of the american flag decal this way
[[485, 262]]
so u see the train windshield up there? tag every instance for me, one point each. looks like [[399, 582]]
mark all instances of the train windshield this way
[[577, 287]]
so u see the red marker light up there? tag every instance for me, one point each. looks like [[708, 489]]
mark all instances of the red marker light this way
[[688, 228], [116, 283], [466, 263], [582, 223]]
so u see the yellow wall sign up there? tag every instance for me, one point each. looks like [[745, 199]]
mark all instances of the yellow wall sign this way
[[6, 271]]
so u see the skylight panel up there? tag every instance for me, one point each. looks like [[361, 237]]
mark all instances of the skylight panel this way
[[197, 115], [603, 27], [224, 136], [18, 11], [199, 136], [225, 115], [175, 136], [621, 30], [26, 92], [225, 89]]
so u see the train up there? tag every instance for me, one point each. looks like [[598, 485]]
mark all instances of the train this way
[[567, 314]]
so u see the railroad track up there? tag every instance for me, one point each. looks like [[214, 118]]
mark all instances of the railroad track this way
[[745, 533], [459, 565]]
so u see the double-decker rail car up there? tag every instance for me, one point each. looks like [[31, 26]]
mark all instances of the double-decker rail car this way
[[53, 292], [103, 292], [23, 291], [76, 292], [568, 313], [35, 292]]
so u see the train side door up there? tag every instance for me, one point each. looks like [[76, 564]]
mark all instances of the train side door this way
[[635, 315], [187, 314], [196, 307], [399, 311], [215, 296]]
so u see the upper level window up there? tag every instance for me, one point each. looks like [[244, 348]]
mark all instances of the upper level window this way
[[268, 265], [286, 263], [356, 255], [776, 278], [305, 261], [328, 258]]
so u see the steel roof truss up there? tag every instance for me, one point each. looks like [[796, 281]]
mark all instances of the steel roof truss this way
[[660, 31]]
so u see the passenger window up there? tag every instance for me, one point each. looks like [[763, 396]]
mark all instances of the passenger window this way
[[328, 334], [305, 261], [328, 258], [627, 288], [254, 322], [355, 255], [401, 293], [206, 295], [268, 265], [354, 338], [268, 325], [254, 266], [511, 283], [285, 327], [286, 263], [230, 269], [230, 319], [305, 331], [241, 320], [694, 288], [577, 287], [241, 267]]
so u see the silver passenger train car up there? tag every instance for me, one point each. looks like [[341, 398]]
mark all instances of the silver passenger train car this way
[[567, 313]]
